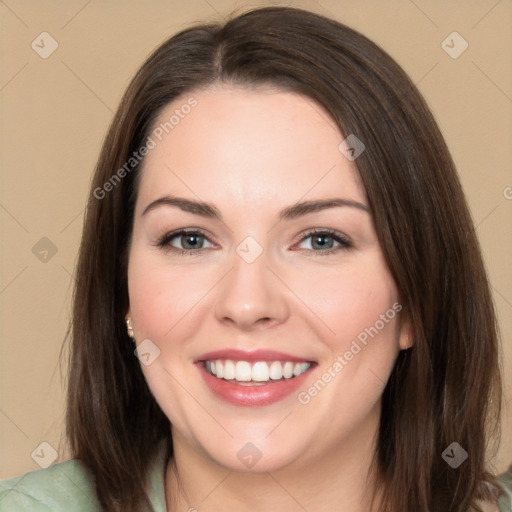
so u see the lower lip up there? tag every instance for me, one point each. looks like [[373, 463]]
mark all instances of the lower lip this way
[[252, 396]]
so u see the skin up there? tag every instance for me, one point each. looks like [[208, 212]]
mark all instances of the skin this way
[[252, 153]]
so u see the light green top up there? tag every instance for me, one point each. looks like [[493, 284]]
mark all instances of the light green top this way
[[505, 504], [69, 487]]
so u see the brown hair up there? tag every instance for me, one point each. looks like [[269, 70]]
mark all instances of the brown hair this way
[[446, 388]]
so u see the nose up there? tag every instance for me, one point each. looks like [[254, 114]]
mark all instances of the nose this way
[[251, 296]]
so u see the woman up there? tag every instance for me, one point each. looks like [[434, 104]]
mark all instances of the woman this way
[[276, 227]]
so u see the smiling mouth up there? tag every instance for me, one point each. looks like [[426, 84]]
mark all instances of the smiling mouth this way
[[255, 373]]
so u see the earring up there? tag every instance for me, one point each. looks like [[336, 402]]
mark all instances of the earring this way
[[129, 328]]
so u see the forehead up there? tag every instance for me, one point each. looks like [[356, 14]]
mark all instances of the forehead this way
[[256, 147]]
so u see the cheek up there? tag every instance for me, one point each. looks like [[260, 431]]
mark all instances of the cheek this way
[[161, 296], [349, 300], [362, 310]]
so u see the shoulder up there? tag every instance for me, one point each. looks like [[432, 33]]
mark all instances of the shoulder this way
[[62, 487], [504, 502], [505, 482]]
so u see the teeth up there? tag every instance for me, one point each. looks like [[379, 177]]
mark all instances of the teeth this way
[[242, 371], [229, 370], [276, 370], [288, 370], [261, 371]]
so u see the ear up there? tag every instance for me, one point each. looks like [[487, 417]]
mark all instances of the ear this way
[[405, 334], [129, 326]]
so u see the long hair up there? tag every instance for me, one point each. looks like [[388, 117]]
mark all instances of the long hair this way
[[445, 389]]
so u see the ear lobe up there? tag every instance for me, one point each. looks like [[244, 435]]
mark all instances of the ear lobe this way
[[405, 337], [406, 342]]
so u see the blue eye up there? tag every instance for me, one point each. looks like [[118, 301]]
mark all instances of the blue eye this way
[[189, 241], [323, 241]]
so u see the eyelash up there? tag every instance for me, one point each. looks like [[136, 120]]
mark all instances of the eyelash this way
[[329, 233], [164, 242]]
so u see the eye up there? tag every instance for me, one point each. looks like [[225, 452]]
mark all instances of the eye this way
[[183, 241], [326, 241]]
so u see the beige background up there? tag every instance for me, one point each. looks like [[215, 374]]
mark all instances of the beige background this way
[[54, 114]]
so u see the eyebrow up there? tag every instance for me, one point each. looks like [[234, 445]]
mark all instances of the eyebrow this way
[[291, 212]]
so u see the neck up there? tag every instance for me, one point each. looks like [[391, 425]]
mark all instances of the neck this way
[[340, 479]]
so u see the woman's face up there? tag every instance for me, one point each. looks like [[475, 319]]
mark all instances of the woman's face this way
[[256, 284]]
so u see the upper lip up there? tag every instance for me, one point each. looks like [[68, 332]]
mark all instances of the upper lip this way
[[251, 356]]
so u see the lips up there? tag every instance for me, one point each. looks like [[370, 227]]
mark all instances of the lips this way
[[255, 378]]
